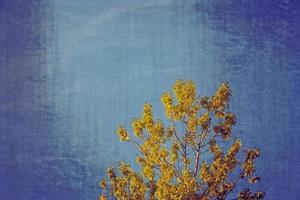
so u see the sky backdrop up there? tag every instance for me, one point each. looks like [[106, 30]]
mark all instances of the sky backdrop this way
[[71, 71]]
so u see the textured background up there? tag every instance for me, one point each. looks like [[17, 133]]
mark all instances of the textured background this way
[[71, 71]]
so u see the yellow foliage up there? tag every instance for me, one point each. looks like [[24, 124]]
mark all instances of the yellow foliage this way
[[123, 135], [185, 159]]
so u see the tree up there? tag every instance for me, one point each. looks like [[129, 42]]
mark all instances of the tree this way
[[185, 159]]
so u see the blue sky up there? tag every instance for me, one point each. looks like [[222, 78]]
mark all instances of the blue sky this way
[[73, 70]]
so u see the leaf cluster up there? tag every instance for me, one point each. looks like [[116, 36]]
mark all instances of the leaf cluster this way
[[186, 158]]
